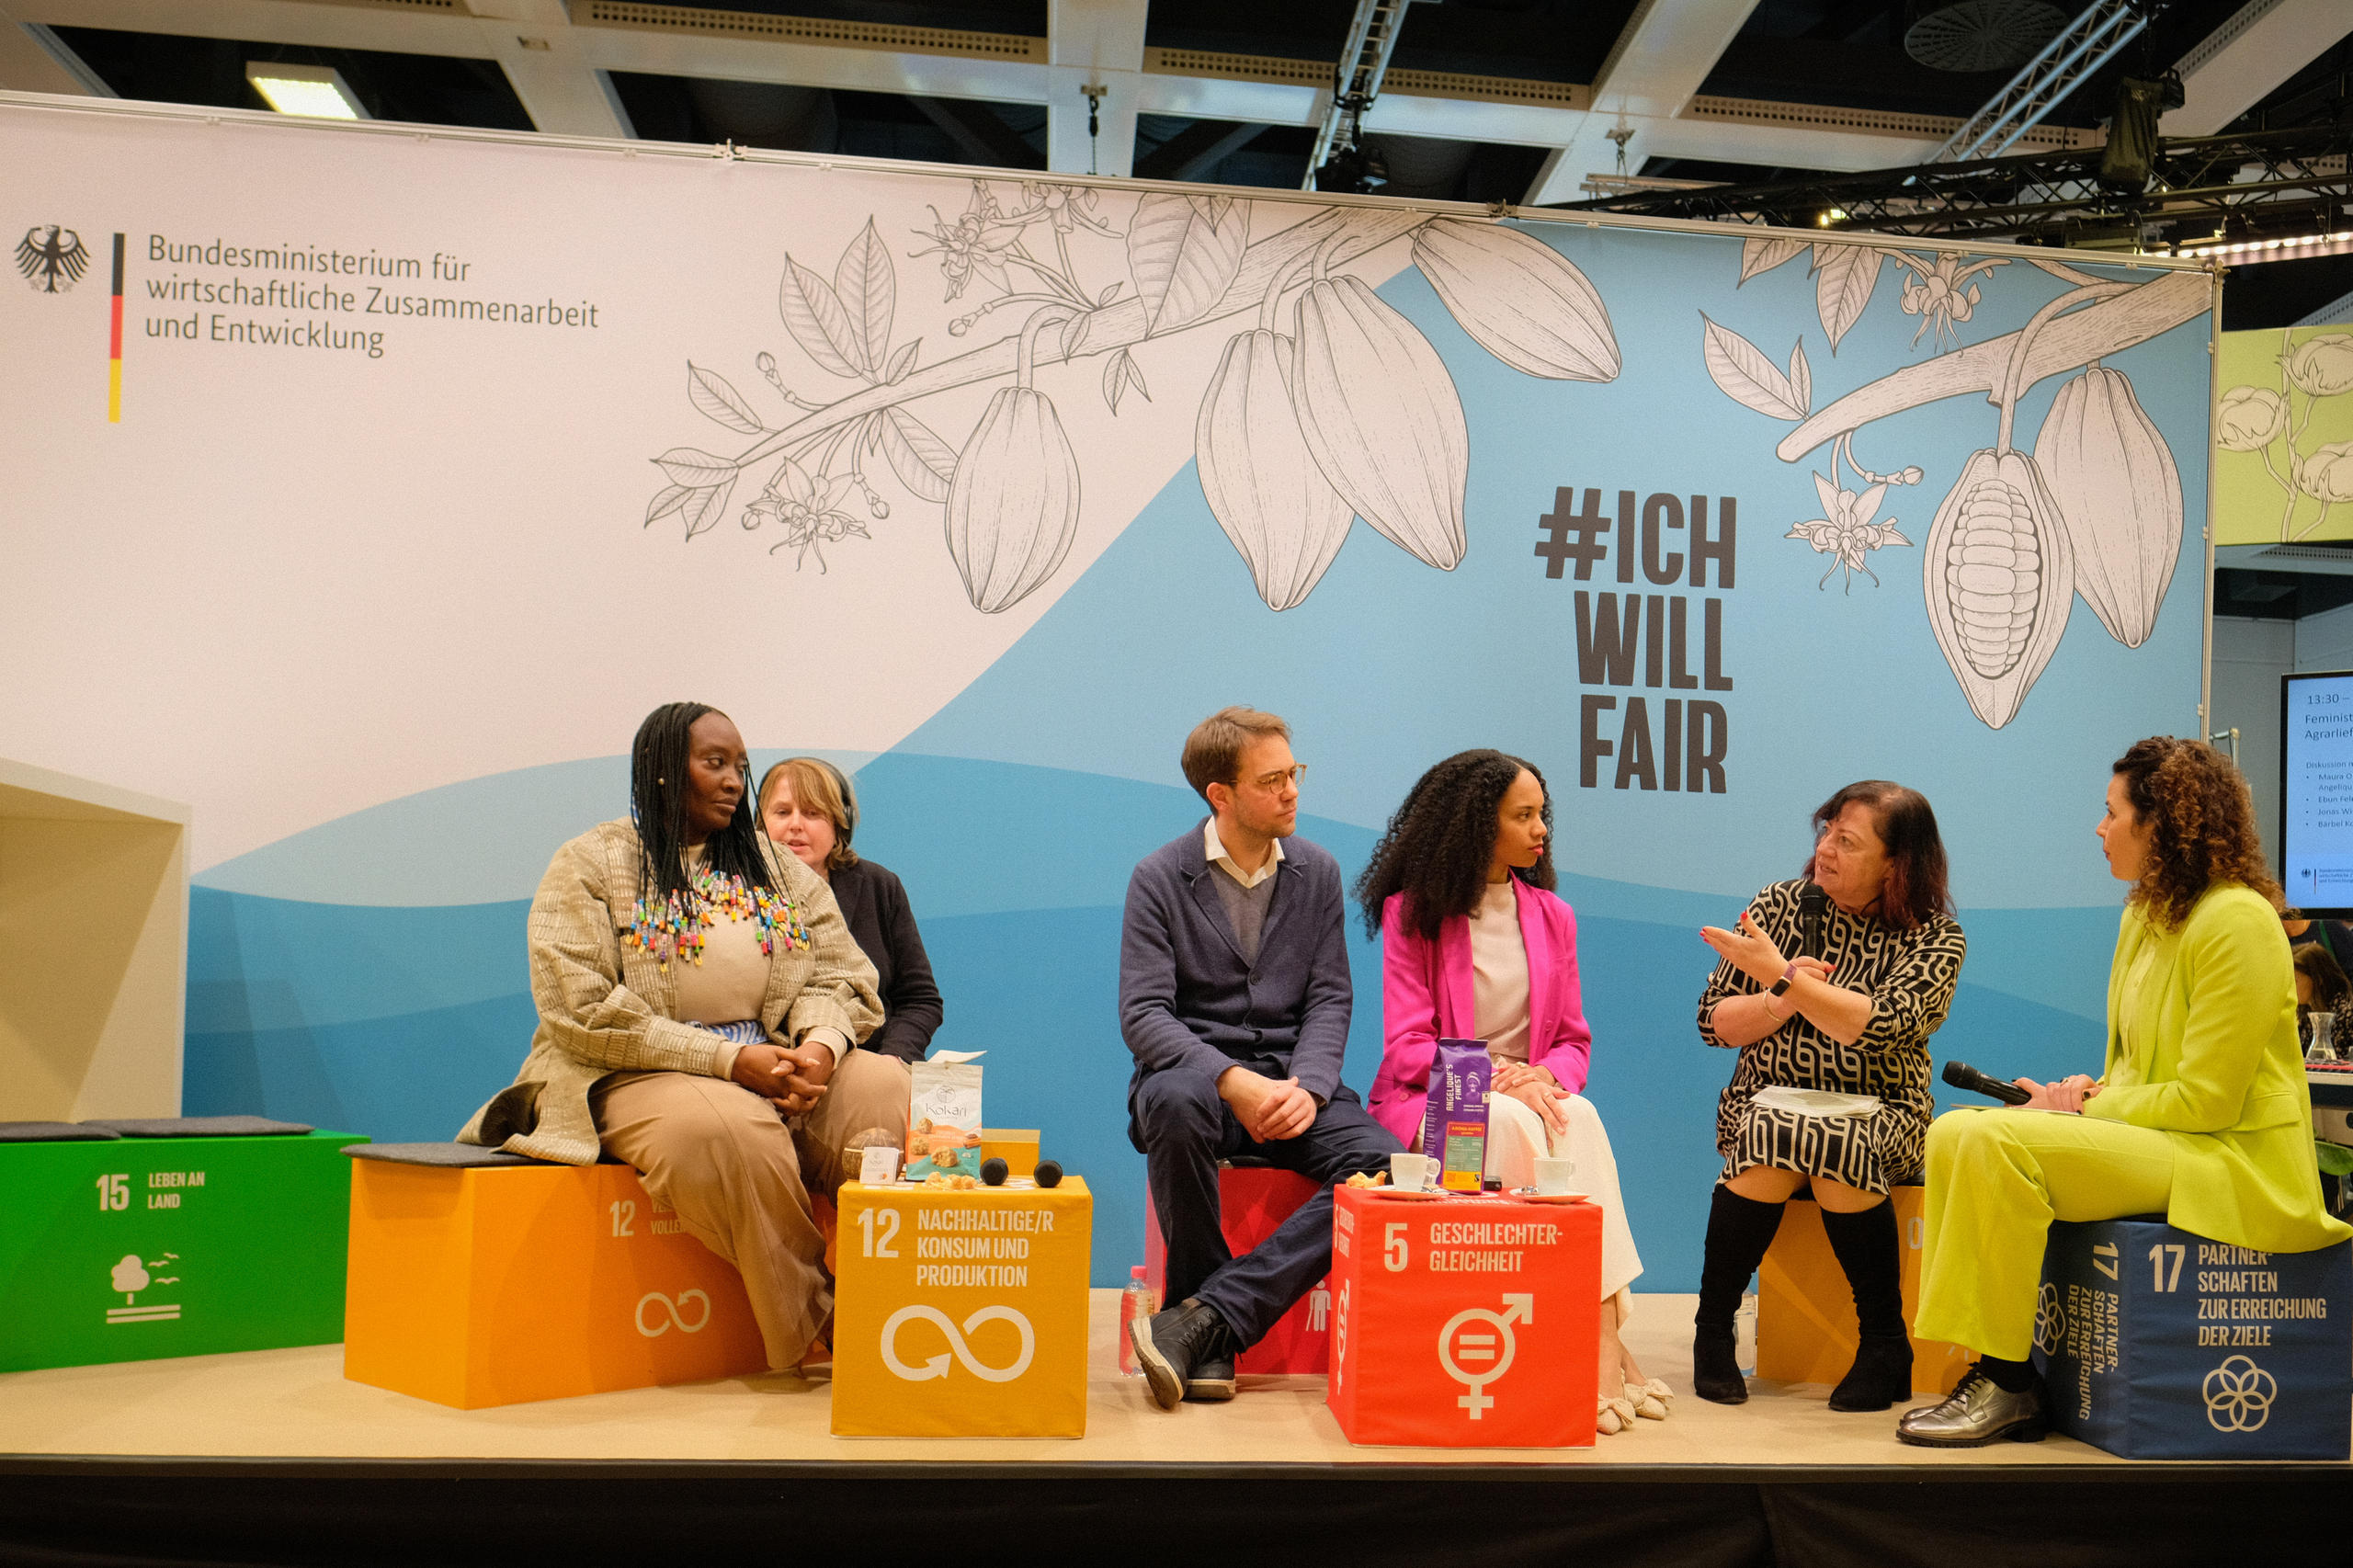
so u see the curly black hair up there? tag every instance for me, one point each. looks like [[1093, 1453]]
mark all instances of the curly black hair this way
[[1442, 840], [657, 805]]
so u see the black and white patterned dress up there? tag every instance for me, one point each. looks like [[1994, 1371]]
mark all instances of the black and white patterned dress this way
[[1909, 976]]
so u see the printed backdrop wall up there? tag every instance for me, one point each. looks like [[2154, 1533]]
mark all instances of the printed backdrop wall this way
[[2283, 435], [435, 462]]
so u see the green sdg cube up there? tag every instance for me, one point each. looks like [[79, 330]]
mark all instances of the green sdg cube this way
[[135, 1248]]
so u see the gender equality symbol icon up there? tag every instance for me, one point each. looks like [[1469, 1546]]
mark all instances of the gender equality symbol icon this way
[[937, 1367], [1474, 1357]]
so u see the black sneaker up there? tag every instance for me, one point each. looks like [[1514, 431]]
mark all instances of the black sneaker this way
[[1175, 1346], [1211, 1380]]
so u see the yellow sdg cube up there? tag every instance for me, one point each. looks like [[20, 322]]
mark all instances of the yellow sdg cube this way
[[961, 1314]]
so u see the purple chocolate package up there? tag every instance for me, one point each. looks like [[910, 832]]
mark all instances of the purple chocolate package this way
[[1454, 1120]]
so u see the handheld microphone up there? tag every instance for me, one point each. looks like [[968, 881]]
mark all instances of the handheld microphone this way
[[1961, 1075], [1811, 905]]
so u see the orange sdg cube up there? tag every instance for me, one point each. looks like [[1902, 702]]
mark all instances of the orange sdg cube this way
[[962, 1313], [1805, 1310], [1464, 1321], [474, 1287]]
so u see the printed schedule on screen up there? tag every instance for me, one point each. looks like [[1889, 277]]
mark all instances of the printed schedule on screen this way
[[2316, 790]]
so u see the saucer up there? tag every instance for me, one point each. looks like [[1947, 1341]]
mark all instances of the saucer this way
[[1421, 1196], [1521, 1195]]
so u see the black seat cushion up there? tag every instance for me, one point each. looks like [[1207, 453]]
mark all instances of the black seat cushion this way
[[201, 1127], [457, 1156], [51, 1133]]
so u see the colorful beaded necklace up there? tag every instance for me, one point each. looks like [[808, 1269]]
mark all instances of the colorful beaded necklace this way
[[675, 928]]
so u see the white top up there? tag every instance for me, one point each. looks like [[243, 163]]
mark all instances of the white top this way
[[1499, 974], [1214, 848]]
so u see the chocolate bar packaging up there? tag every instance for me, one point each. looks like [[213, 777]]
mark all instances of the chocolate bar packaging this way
[[1454, 1120]]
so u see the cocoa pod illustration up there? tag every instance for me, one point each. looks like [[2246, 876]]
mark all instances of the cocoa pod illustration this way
[[2118, 496], [2000, 579], [1525, 302], [1261, 481], [1382, 416], [1013, 506]]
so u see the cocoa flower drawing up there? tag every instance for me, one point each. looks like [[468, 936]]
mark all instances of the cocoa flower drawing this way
[[1329, 407], [2089, 505], [1848, 530], [2277, 425]]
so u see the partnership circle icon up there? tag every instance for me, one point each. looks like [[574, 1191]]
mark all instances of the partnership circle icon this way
[[1476, 1346], [673, 1314], [2239, 1395], [2049, 1320], [937, 1367]]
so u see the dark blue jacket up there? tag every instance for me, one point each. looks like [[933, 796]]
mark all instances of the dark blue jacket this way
[[1188, 1000]]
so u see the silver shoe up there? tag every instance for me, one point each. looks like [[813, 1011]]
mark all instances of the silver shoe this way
[[1977, 1413]]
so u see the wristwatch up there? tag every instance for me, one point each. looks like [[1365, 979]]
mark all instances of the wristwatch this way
[[1782, 986]]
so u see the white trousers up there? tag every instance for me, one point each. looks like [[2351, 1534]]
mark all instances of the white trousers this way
[[1517, 1135]]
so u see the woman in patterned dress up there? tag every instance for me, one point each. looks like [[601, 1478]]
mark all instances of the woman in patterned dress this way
[[1845, 1001]]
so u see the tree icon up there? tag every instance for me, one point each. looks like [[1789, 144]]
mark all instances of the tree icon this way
[[130, 1276]]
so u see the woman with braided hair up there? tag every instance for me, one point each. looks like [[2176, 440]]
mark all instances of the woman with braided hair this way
[[2200, 1112], [1476, 945], [699, 997]]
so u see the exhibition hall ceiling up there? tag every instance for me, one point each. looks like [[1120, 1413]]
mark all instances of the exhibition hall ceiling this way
[[1525, 101]]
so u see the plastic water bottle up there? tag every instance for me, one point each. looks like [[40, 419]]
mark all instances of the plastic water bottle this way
[[1138, 1301], [1744, 1335]]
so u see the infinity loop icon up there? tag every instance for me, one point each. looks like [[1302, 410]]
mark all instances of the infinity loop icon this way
[[673, 1313], [937, 1367]]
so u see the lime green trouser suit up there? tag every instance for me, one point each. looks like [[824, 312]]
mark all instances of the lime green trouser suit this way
[[2202, 1116]]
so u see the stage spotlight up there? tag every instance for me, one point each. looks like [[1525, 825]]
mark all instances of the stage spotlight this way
[[317, 91]]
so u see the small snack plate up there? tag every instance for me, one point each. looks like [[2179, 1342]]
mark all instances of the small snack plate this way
[[1522, 1195], [1420, 1196]]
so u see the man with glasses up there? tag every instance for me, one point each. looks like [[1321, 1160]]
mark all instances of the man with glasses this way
[[1233, 996]]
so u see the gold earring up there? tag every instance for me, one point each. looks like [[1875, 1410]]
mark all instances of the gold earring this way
[[660, 781]]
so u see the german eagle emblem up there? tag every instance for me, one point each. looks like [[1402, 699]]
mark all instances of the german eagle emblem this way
[[52, 259]]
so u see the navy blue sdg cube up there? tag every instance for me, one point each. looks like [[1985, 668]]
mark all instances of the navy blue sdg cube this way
[[2156, 1344]]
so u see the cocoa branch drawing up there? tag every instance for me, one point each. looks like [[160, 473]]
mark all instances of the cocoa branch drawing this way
[[1352, 414], [2094, 508], [2256, 419]]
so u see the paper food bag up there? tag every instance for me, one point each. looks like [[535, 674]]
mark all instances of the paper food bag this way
[[1454, 1119], [944, 1116]]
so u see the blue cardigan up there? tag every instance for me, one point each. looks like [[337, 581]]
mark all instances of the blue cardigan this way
[[1187, 1000]]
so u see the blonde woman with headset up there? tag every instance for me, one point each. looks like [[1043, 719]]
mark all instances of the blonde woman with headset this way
[[810, 809]]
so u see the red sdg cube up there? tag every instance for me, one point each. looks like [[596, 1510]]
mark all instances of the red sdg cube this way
[[1252, 1200], [1469, 1322]]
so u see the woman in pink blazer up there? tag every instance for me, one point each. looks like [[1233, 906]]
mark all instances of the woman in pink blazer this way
[[1475, 946]]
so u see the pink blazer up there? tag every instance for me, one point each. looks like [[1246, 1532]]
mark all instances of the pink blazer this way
[[1426, 996]]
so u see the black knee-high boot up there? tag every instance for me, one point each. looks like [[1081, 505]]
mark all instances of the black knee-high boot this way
[[1739, 1230], [1866, 1245]]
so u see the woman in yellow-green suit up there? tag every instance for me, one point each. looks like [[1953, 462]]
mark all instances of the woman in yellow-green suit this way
[[2202, 1114]]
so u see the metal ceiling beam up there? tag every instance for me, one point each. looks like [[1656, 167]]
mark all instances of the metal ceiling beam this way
[[1196, 150], [34, 60], [2271, 182], [1356, 81], [2247, 58], [1093, 44], [535, 45], [1663, 56], [2045, 82]]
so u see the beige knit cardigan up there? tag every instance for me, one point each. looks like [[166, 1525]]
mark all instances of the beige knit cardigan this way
[[604, 1008]]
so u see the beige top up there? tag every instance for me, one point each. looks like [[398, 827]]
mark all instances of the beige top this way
[[732, 980], [1499, 974]]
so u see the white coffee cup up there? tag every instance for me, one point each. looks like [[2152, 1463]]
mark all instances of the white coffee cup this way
[[1554, 1174], [1410, 1172]]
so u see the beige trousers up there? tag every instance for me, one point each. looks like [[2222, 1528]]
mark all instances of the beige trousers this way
[[740, 1176], [1517, 1135]]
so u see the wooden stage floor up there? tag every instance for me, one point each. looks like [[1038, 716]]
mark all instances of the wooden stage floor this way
[[295, 1404]]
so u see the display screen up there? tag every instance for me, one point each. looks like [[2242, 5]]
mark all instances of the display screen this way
[[2316, 792]]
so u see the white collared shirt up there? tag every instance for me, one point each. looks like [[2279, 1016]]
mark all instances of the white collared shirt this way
[[1215, 849]]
